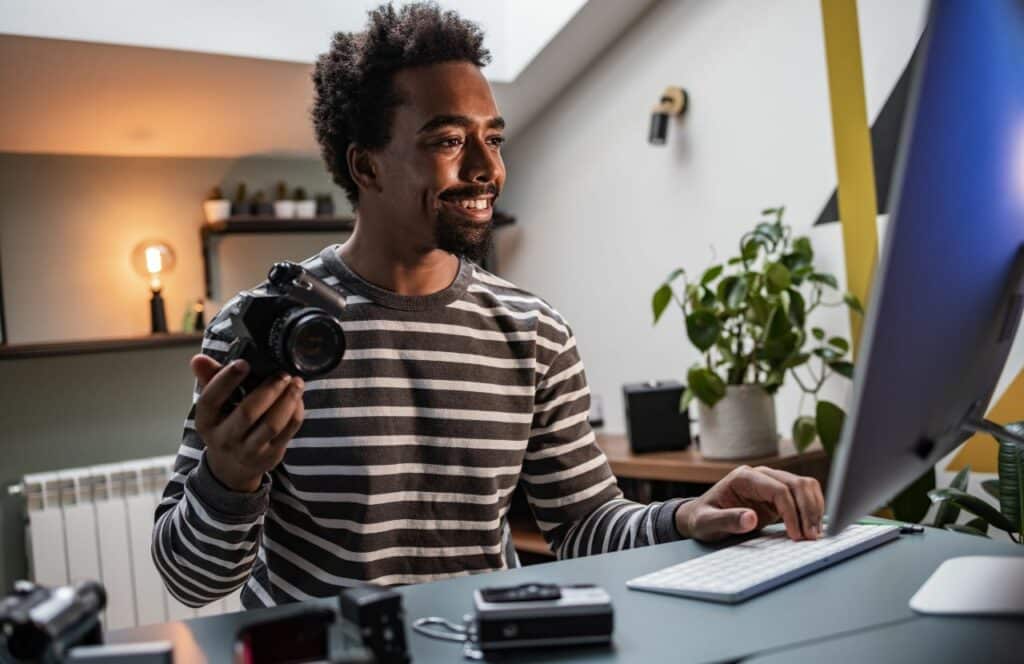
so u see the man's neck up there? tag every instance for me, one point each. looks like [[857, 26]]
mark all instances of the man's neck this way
[[389, 263]]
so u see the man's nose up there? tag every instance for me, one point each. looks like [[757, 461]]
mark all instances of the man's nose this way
[[481, 164]]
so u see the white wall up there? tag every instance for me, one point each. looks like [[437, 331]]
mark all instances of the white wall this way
[[603, 216]]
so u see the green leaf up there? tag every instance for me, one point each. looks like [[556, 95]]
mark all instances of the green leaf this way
[[842, 368], [804, 432], [778, 277], [826, 353], [784, 301], [912, 503], [685, 400], [961, 478], [778, 324], [734, 261], [711, 274], [675, 274], [823, 278], [660, 301], [758, 310], [1011, 477], [829, 419], [978, 524], [966, 530], [737, 295], [770, 230], [802, 247], [777, 349], [796, 360], [991, 487], [703, 328], [797, 308], [818, 333], [948, 512], [706, 385], [851, 301], [974, 505], [800, 273], [840, 343], [768, 211], [725, 286], [750, 248]]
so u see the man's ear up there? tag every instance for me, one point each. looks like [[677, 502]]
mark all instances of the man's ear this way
[[362, 167]]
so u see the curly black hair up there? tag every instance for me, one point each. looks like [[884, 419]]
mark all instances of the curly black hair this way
[[354, 99]]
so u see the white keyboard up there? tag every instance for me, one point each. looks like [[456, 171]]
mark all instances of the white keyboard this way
[[750, 568]]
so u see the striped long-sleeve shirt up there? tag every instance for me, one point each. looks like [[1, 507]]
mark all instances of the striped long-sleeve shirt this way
[[410, 450]]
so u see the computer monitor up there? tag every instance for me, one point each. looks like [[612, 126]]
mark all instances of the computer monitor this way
[[948, 291]]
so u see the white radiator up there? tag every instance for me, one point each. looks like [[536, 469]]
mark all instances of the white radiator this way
[[97, 523]]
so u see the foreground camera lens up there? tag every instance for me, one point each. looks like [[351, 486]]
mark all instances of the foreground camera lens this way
[[311, 342]]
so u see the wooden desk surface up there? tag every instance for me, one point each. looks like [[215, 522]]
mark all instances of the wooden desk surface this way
[[690, 466]]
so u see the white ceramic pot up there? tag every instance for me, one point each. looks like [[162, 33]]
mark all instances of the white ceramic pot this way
[[305, 209], [741, 425], [284, 209], [216, 210]]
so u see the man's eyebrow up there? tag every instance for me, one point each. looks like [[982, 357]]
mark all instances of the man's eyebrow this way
[[463, 121]]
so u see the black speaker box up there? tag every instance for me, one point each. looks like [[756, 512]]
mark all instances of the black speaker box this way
[[653, 420]]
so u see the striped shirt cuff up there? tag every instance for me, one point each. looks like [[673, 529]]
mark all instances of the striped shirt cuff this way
[[665, 521], [223, 503]]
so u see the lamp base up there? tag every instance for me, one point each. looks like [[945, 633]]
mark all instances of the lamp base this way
[[157, 314]]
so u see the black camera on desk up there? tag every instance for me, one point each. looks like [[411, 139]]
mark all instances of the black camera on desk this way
[[292, 327], [43, 624], [654, 422]]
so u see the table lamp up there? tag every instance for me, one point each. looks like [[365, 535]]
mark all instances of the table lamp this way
[[151, 260]]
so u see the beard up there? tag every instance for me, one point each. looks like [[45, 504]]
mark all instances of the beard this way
[[462, 237]]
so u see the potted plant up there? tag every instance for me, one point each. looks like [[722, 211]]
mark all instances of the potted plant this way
[[304, 208], [216, 207], [260, 206], [240, 205], [324, 205], [748, 317], [1008, 490], [284, 207]]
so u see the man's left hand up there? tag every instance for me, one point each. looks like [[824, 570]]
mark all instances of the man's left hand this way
[[750, 498]]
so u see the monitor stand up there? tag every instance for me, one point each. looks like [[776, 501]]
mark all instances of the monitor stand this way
[[976, 585]]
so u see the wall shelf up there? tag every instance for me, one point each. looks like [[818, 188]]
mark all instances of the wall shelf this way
[[240, 225], [58, 349], [247, 224]]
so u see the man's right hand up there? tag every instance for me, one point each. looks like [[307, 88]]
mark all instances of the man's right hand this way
[[251, 439]]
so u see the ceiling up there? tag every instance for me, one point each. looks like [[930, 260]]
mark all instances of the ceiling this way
[[293, 32], [155, 86]]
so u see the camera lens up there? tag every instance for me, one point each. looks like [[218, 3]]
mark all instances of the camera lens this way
[[310, 342]]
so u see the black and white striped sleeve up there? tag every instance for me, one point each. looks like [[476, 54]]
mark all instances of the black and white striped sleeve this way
[[206, 536], [569, 485]]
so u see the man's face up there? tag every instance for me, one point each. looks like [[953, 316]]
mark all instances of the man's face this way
[[442, 170]]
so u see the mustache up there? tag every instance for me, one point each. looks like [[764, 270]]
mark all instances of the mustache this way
[[471, 192]]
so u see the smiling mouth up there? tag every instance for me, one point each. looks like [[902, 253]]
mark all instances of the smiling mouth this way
[[479, 208]]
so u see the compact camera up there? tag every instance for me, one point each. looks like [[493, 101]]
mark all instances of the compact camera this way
[[293, 327]]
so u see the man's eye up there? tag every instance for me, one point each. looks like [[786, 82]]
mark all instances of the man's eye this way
[[497, 141], [451, 142]]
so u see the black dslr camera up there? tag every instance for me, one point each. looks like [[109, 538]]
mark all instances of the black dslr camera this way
[[293, 327], [44, 625]]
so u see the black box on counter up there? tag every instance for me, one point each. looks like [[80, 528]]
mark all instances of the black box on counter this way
[[653, 420]]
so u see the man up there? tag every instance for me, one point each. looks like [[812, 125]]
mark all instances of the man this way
[[456, 385]]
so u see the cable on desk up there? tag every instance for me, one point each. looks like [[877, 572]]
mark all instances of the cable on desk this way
[[455, 632]]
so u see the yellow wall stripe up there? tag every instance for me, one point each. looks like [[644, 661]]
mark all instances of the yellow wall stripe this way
[[980, 452], [852, 135]]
